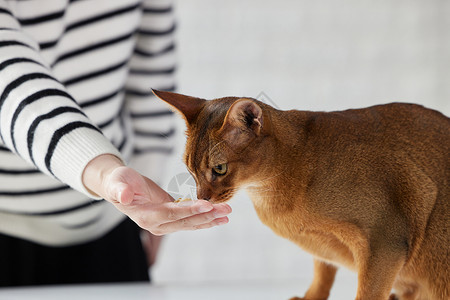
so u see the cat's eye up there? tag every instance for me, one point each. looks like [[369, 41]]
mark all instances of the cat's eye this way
[[220, 169]]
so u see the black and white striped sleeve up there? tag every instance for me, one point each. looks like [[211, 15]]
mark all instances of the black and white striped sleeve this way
[[39, 120], [152, 65]]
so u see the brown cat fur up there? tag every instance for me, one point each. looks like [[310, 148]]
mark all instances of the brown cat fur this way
[[367, 189]]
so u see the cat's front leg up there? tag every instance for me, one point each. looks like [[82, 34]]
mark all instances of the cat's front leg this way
[[378, 271], [319, 289]]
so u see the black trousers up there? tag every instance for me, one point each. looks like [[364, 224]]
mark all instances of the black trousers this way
[[116, 257]]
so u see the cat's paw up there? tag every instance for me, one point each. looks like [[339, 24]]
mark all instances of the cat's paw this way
[[393, 297]]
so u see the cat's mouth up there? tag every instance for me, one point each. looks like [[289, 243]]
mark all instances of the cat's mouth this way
[[223, 196]]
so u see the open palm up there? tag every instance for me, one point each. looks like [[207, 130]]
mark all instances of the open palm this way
[[154, 209]]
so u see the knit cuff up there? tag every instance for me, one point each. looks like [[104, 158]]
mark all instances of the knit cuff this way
[[74, 151]]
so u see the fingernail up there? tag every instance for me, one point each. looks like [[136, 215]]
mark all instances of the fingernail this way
[[119, 194], [220, 214], [222, 221], [205, 208]]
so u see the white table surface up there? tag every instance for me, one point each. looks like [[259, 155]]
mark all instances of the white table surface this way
[[215, 291]]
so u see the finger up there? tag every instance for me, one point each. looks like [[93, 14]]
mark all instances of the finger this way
[[222, 209], [170, 211], [193, 223], [125, 194], [215, 222], [202, 210]]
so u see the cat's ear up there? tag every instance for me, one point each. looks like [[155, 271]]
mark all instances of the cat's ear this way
[[187, 106], [243, 121]]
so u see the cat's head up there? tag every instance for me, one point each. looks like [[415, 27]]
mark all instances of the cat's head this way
[[224, 147]]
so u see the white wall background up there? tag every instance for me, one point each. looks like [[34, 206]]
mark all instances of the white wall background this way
[[310, 55]]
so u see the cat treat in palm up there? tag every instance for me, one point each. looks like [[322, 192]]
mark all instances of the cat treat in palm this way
[[184, 201]]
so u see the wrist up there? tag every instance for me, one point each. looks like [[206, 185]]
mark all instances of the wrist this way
[[97, 170]]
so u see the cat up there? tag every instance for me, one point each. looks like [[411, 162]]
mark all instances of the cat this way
[[367, 189]]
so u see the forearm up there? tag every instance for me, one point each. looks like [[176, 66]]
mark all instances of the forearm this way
[[39, 119]]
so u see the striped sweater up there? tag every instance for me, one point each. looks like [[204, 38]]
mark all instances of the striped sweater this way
[[75, 78]]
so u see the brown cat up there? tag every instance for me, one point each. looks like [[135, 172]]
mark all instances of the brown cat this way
[[367, 189]]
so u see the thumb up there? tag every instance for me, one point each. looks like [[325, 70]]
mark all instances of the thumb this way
[[124, 193]]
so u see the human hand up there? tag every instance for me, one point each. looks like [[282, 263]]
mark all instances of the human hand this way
[[145, 202]]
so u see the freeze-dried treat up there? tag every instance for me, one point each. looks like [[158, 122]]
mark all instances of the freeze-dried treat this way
[[184, 201]]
